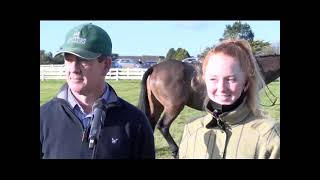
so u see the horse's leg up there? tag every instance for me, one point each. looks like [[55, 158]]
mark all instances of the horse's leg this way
[[156, 108], [164, 127]]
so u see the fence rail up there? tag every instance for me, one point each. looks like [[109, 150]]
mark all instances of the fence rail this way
[[58, 72]]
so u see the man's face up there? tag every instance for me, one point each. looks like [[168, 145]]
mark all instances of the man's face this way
[[83, 76]]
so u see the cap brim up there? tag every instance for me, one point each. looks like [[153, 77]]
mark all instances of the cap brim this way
[[80, 53]]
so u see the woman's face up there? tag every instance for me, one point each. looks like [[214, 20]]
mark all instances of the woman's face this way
[[224, 79]]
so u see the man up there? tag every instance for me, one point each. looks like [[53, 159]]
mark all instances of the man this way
[[71, 121]]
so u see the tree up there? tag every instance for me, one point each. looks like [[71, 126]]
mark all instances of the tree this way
[[41, 56], [276, 47], [243, 31], [171, 54], [270, 49], [49, 57], [59, 59], [44, 59], [181, 54], [238, 31], [258, 45], [160, 59], [202, 55]]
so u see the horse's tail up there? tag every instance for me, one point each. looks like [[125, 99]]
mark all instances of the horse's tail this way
[[143, 104]]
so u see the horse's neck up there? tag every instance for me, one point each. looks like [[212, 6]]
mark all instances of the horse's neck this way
[[269, 67], [198, 89]]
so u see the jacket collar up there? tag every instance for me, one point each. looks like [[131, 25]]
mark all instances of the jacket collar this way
[[111, 96], [230, 118]]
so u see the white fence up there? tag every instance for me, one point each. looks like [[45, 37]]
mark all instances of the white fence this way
[[58, 72]]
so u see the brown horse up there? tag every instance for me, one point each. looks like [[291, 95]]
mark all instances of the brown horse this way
[[168, 86]]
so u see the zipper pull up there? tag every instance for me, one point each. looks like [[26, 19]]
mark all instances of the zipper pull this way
[[221, 124], [84, 135]]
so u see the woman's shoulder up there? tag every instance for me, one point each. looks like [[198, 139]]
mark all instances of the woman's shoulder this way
[[264, 125], [197, 122]]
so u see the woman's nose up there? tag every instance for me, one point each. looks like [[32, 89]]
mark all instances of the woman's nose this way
[[221, 86]]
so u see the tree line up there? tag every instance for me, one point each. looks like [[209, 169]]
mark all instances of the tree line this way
[[237, 30], [47, 58]]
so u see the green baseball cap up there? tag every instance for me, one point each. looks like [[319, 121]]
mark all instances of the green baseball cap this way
[[87, 41]]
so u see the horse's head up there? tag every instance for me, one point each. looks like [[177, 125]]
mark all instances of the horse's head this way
[[269, 66]]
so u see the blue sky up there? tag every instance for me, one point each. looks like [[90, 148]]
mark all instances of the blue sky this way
[[138, 38]]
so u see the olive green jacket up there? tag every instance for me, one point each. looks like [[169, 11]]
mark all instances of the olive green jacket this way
[[245, 137]]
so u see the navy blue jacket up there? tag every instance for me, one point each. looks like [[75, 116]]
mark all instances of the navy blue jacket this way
[[126, 132]]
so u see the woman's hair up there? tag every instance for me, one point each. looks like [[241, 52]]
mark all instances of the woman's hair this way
[[241, 50]]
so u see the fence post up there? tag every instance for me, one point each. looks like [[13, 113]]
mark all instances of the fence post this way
[[128, 73], [109, 73], [142, 72], [62, 74], [42, 76], [117, 74]]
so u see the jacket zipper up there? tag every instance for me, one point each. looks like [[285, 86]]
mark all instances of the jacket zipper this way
[[222, 125], [83, 129]]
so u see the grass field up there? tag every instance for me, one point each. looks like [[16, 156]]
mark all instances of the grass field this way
[[129, 90]]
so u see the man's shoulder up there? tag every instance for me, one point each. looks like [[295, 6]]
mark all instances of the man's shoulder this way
[[129, 108], [128, 113], [51, 104], [46, 105], [125, 105]]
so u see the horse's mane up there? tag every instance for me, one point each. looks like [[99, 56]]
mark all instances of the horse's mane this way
[[198, 72], [266, 55]]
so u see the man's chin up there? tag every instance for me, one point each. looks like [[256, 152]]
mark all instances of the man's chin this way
[[77, 88], [76, 81]]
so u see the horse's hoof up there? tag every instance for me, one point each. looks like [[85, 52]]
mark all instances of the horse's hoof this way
[[175, 156]]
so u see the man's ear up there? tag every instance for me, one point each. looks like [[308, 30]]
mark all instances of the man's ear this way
[[107, 64]]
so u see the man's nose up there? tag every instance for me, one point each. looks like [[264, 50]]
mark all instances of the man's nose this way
[[74, 66]]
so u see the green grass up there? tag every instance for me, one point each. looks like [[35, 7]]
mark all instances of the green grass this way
[[129, 90], [273, 111], [49, 89]]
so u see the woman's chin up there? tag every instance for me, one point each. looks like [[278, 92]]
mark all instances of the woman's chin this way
[[223, 101]]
